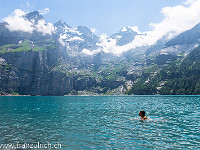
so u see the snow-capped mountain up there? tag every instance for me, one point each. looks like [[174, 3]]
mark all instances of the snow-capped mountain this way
[[80, 37], [125, 35]]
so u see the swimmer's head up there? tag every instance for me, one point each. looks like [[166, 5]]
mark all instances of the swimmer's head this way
[[142, 113]]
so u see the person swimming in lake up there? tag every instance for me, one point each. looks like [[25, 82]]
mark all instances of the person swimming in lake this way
[[142, 115]]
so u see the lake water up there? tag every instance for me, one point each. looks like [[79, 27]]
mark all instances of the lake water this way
[[102, 122]]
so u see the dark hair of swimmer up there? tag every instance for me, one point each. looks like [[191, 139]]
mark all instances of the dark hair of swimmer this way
[[142, 113]]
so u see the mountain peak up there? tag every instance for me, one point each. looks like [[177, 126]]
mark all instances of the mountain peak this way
[[35, 15], [124, 29], [61, 24], [130, 29]]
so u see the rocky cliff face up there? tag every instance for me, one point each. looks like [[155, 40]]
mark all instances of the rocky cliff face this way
[[30, 73]]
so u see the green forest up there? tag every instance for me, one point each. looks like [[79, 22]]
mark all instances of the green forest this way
[[181, 77]]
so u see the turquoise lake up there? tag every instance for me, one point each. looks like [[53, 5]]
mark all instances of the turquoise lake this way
[[102, 122]]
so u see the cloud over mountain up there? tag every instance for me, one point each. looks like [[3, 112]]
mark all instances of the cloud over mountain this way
[[18, 22], [44, 11], [176, 20]]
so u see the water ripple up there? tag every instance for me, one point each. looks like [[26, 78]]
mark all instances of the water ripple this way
[[107, 122]]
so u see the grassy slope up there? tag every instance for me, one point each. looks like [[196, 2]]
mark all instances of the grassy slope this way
[[27, 46]]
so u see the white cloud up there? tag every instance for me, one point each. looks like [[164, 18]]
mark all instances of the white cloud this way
[[76, 38], [135, 28], [176, 20], [107, 44], [17, 22], [44, 11], [88, 52], [45, 28]]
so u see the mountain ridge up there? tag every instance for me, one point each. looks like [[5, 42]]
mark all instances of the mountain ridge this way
[[54, 63]]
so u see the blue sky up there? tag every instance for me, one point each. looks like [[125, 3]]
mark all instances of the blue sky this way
[[106, 16]]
